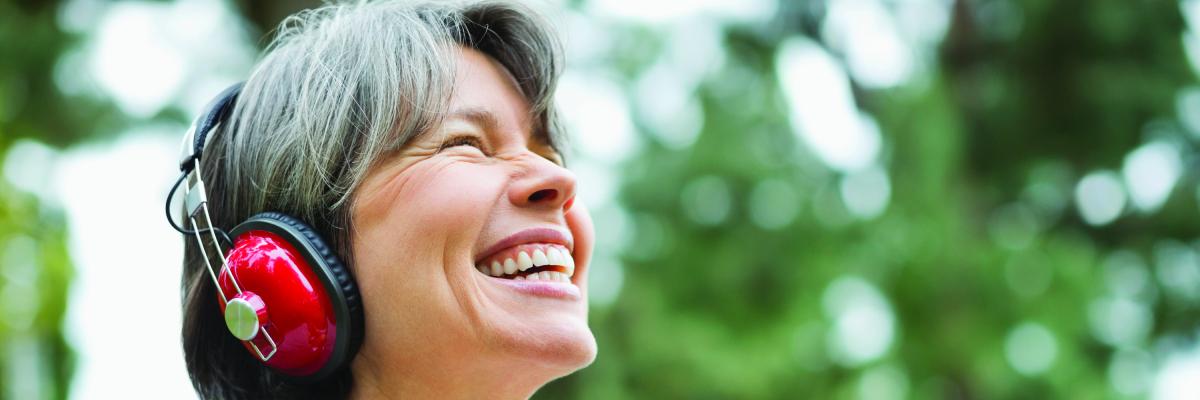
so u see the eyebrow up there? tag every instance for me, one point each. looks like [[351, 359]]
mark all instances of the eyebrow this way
[[478, 116]]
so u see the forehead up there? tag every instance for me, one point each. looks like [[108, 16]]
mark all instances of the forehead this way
[[485, 93]]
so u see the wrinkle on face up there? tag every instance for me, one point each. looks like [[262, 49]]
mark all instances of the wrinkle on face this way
[[423, 215]]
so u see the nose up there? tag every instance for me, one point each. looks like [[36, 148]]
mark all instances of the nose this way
[[543, 185]]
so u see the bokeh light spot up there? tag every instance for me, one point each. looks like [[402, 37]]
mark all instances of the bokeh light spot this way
[[1120, 322], [1150, 173], [133, 60], [822, 108], [597, 113], [863, 322], [774, 203], [1130, 372], [883, 382], [707, 200], [1178, 269], [1014, 226], [1030, 348], [866, 34], [866, 192], [1176, 378], [1028, 274], [1100, 197], [28, 165]]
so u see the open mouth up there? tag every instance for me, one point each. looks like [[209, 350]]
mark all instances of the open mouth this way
[[532, 262]]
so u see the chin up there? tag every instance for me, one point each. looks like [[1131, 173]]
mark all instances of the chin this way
[[558, 349]]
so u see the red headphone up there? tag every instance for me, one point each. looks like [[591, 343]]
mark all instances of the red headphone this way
[[284, 292]]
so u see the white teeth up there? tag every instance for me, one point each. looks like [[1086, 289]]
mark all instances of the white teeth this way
[[547, 276], [523, 261], [569, 263], [510, 266], [550, 255]]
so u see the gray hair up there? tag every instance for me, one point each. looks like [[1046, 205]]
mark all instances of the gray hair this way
[[340, 89]]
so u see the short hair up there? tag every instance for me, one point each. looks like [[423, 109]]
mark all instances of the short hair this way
[[339, 89]]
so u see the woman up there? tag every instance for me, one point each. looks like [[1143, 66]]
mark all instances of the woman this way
[[419, 140]]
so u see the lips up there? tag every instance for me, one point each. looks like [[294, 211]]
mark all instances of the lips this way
[[532, 261], [534, 255]]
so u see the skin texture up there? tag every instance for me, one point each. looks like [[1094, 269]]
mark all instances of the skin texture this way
[[436, 327]]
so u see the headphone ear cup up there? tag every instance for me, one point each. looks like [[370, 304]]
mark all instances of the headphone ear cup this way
[[313, 310]]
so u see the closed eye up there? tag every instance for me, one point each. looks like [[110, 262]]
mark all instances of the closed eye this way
[[463, 140]]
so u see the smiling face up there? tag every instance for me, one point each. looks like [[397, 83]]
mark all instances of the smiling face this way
[[471, 252]]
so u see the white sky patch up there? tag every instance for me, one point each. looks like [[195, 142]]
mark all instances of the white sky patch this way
[[1151, 172], [123, 313], [145, 55], [1176, 379], [923, 23], [863, 325], [1191, 13], [597, 184], [657, 12], [1191, 41], [669, 106], [695, 49], [596, 112], [586, 41], [1100, 197], [866, 192], [1030, 348], [134, 61], [822, 108], [864, 31]]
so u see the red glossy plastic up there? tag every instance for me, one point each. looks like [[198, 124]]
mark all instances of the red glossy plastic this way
[[301, 315]]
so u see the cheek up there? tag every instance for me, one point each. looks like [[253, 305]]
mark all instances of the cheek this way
[[436, 195], [579, 220], [409, 228]]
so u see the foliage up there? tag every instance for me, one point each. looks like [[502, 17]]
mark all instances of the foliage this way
[[35, 360], [979, 237], [979, 259]]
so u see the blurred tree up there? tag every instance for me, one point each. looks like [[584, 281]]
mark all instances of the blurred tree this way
[[979, 277], [35, 360], [995, 287]]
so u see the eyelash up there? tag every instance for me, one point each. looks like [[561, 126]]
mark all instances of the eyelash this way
[[463, 141], [476, 143]]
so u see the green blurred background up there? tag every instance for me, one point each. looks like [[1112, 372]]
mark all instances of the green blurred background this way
[[847, 199]]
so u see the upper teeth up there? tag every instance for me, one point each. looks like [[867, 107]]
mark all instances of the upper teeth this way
[[529, 258]]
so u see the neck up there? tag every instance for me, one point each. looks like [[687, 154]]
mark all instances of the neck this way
[[374, 380]]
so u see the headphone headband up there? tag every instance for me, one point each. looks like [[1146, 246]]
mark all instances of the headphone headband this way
[[317, 313], [215, 112]]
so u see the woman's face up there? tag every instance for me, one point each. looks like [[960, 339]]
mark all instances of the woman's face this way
[[482, 191]]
